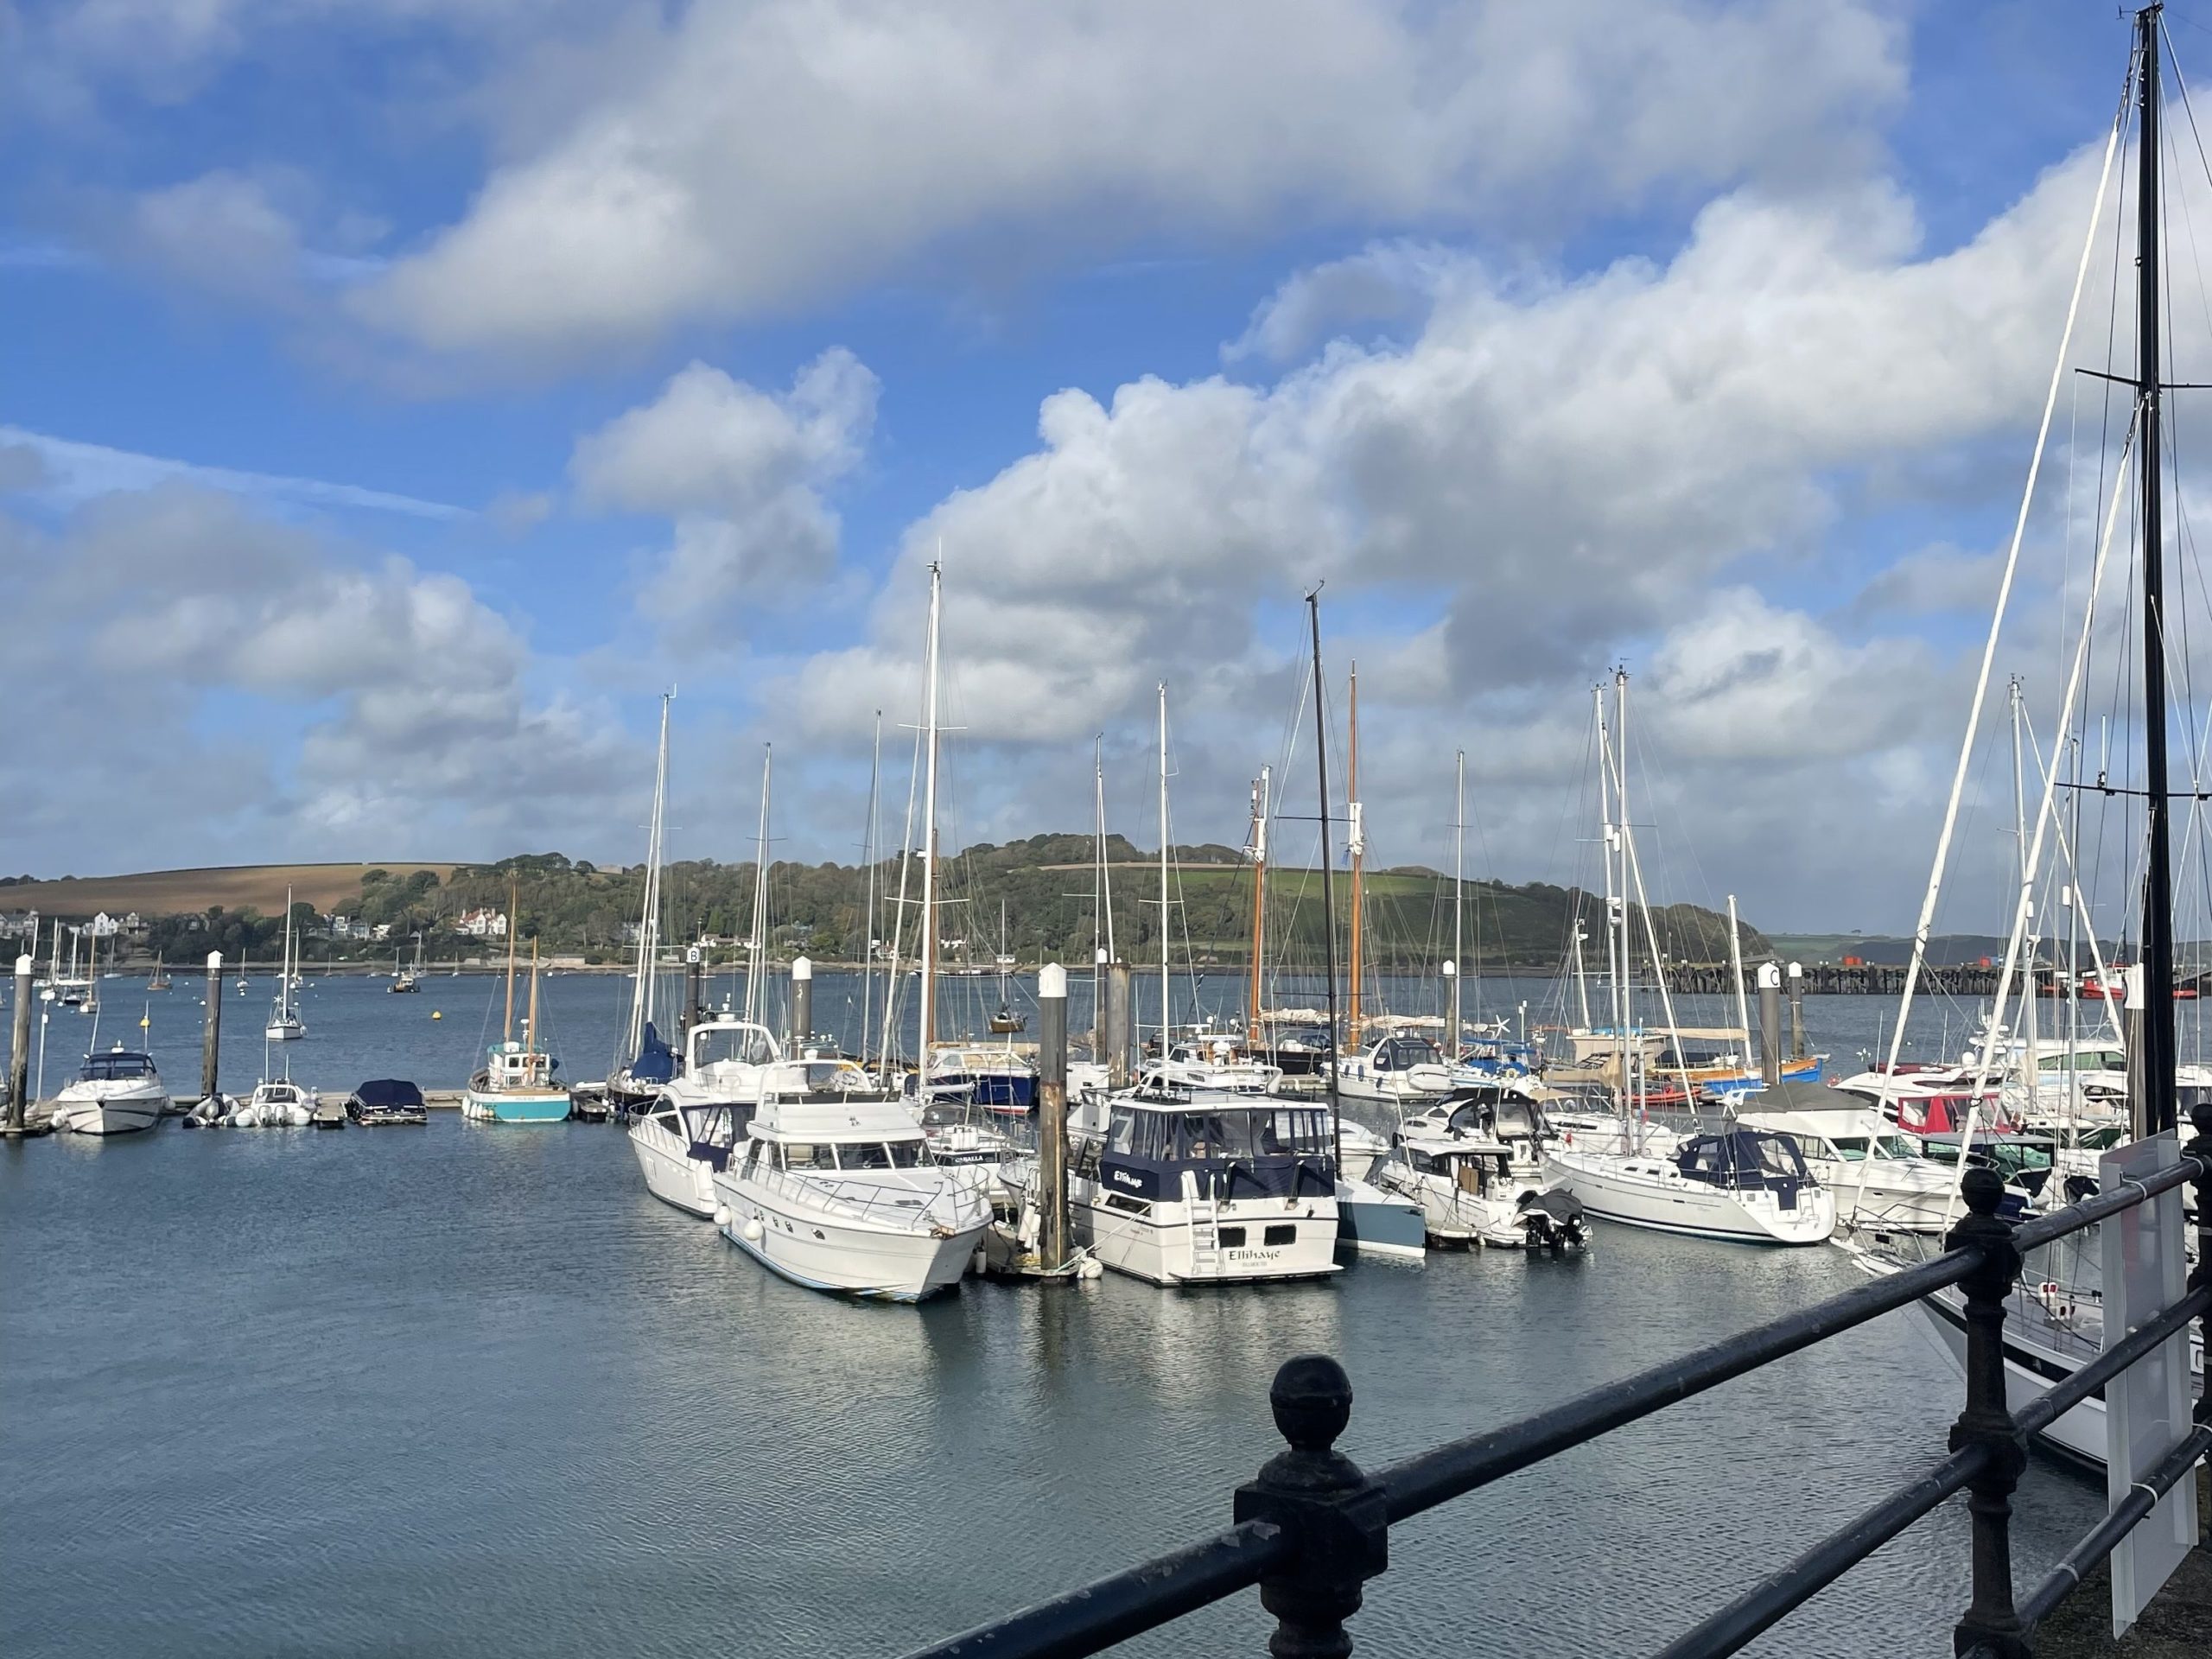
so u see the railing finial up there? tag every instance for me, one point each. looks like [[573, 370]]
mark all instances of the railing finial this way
[[1335, 1515]]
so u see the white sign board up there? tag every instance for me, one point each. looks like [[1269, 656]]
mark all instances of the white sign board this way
[[2146, 1407]]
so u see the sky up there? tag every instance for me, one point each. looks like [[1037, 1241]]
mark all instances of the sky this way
[[397, 396]]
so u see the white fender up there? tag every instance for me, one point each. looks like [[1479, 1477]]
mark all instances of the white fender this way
[[752, 1232], [721, 1215]]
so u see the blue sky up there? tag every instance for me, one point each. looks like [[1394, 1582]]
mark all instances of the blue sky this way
[[672, 338]]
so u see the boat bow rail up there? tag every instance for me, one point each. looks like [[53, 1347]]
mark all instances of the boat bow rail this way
[[1313, 1527]]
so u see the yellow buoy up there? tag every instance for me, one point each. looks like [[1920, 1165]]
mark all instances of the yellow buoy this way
[[435, 1014]]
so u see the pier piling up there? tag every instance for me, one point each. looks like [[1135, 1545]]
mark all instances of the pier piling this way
[[211, 1039], [1770, 1023], [1117, 1021], [19, 1055], [1796, 1010], [802, 1003], [689, 1016], [1053, 1113]]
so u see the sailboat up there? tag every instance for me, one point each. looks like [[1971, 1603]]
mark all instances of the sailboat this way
[[1745, 1184], [1006, 1021], [646, 1063], [159, 979], [404, 979], [517, 1085], [284, 1022]]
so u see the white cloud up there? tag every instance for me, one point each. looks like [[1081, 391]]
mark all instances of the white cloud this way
[[743, 474], [739, 158]]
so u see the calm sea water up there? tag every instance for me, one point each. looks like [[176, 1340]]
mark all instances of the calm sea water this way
[[470, 1389]]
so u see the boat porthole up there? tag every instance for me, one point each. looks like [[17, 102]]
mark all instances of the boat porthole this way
[[817, 1232]]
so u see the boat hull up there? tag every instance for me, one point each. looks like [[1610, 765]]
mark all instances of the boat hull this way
[[121, 1113], [822, 1253], [1158, 1245], [1370, 1222], [515, 1106], [1615, 1190], [672, 1175]]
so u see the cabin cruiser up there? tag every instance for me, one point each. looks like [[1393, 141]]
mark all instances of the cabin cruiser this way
[[1218, 1063], [997, 1079], [1178, 1186], [1475, 1167], [1744, 1184], [845, 1195], [382, 1102], [1297, 1051], [1877, 1176], [115, 1093], [1398, 1071], [682, 1148], [516, 1085]]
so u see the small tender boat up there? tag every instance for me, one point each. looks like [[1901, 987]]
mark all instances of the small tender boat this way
[[1745, 1186], [845, 1195], [115, 1093], [385, 1101], [275, 1103]]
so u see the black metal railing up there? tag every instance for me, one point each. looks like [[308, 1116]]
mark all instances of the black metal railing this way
[[1311, 1528]]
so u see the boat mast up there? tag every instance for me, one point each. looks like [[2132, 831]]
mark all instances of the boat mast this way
[[1356, 844], [1328, 880], [1736, 971], [1105, 884], [284, 990], [929, 830], [507, 1031], [1165, 998], [1459, 888], [2156, 1113], [2020, 835], [1631, 1040], [530, 1029], [755, 1001], [1612, 900], [867, 856], [1261, 802], [641, 994], [887, 1053]]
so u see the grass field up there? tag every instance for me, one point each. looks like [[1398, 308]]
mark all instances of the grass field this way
[[171, 893]]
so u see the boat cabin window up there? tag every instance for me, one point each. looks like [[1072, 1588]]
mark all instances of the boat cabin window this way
[[802, 1155], [116, 1068], [2085, 1059], [1402, 1054], [1850, 1148], [745, 1048]]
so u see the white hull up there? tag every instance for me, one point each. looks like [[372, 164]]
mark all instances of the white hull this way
[[811, 1245], [277, 1033], [672, 1175], [1649, 1193], [1452, 1215], [1163, 1244], [78, 1111]]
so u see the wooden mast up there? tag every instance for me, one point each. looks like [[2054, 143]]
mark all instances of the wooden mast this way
[[1356, 844], [530, 1031]]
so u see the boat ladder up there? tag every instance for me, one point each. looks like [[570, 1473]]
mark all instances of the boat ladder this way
[[1205, 1239]]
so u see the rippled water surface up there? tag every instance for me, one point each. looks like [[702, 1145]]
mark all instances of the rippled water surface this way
[[470, 1389]]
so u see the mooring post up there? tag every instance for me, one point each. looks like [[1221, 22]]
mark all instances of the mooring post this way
[[802, 1004], [1991, 1621], [19, 1055], [211, 1034], [1098, 1004], [1337, 1518], [1052, 1112], [1117, 1025], [690, 1015], [1796, 1010], [1770, 1023]]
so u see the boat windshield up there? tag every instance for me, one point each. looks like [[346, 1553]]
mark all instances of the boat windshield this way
[[1218, 1131], [116, 1068], [1853, 1147], [1402, 1054], [748, 1045], [880, 1154]]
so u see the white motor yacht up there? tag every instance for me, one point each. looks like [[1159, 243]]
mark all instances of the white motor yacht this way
[[682, 1148], [1876, 1176], [1218, 1063], [1185, 1186], [1475, 1167], [843, 1195], [1399, 1070], [1745, 1186], [115, 1093]]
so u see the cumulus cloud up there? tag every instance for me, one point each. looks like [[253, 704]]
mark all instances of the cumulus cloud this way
[[744, 475], [737, 158]]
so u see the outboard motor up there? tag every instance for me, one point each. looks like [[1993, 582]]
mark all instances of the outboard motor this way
[[1553, 1220]]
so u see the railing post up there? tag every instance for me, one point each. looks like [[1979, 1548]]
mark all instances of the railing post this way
[[2200, 1148], [1334, 1515], [1991, 1622]]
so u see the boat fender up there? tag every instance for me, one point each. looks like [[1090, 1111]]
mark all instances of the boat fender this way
[[1090, 1268], [721, 1215], [752, 1231], [977, 1262]]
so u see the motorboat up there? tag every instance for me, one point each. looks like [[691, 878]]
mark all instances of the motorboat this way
[[1298, 1051], [1217, 1062], [1402, 1070], [1178, 1186], [998, 1079], [845, 1195], [275, 1103], [1744, 1184], [681, 1148], [386, 1100], [1877, 1176], [118, 1092], [1473, 1165]]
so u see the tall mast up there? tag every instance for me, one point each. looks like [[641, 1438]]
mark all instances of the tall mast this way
[[1261, 802], [1458, 888], [284, 990], [514, 889], [867, 856], [928, 827], [2158, 1046], [1166, 1000], [529, 1029], [1104, 924], [1632, 1041], [1356, 844], [1328, 880], [755, 1000], [2020, 833], [1606, 840], [641, 994], [889, 1050]]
